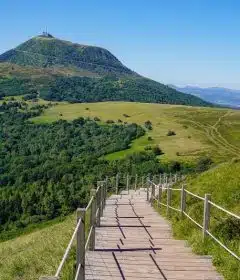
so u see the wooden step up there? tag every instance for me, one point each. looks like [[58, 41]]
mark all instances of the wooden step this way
[[129, 247]]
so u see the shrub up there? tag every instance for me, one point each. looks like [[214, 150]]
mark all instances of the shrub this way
[[109, 121], [157, 151], [126, 115], [229, 228], [175, 166], [148, 148], [119, 121], [203, 164], [97, 119], [30, 96], [87, 109], [148, 125], [171, 133], [149, 138]]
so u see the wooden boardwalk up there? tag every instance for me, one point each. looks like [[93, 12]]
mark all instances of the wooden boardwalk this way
[[135, 242]]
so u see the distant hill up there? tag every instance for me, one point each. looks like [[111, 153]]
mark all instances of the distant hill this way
[[217, 95], [63, 71]]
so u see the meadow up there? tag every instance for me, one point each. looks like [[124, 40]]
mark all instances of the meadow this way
[[199, 131]]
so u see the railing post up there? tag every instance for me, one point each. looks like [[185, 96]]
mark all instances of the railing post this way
[[136, 181], [160, 179], [155, 179], [206, 217], [117, 183], [183, 200], [93, 221], [81, 243], [148, 183], [169, 194], [98, 202], [101, 200], [159, 195], [128, 183], [105, 192], [104, 187], [152, 194]]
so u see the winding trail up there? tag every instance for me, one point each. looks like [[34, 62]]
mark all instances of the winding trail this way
[[213, 134]]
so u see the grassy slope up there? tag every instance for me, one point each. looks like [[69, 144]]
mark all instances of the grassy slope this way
[[222, 183], [198, 129], [8, 70], [43, 247]]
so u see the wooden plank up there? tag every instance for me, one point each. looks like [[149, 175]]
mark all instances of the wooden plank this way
[[175, 260]]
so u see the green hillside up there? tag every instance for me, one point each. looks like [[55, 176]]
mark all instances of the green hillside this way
[[212, 132], [42, 51], [44, 247], [65, 71], [222, 182]]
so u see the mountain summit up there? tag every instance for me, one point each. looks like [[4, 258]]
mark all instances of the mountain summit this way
[[47, 51], [61, 70]]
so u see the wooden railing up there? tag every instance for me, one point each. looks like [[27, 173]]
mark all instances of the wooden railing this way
[[85, 237], [207, 204], [96, 205]]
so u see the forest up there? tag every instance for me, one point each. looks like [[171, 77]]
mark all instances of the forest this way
[[84, 89], [46, 170], [77, 89]]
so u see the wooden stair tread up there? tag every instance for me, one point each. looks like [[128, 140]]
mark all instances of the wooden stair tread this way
[[126, 252]]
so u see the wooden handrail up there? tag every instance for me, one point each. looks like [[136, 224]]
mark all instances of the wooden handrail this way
[[96, 204], [89, 203], [224, 210], [207, 204], [68, 249]]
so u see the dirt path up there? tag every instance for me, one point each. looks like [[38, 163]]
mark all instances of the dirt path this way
[[213, 134]]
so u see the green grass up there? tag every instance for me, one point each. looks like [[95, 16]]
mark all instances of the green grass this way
[[222, 182], [16, 232], [38, 253], [199, 131]]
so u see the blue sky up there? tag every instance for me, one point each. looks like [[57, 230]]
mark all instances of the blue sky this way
[[171, 41]]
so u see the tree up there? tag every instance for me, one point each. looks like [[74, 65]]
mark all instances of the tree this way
[[157, 151], [171, 133], [203, 164], [148, 125]]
